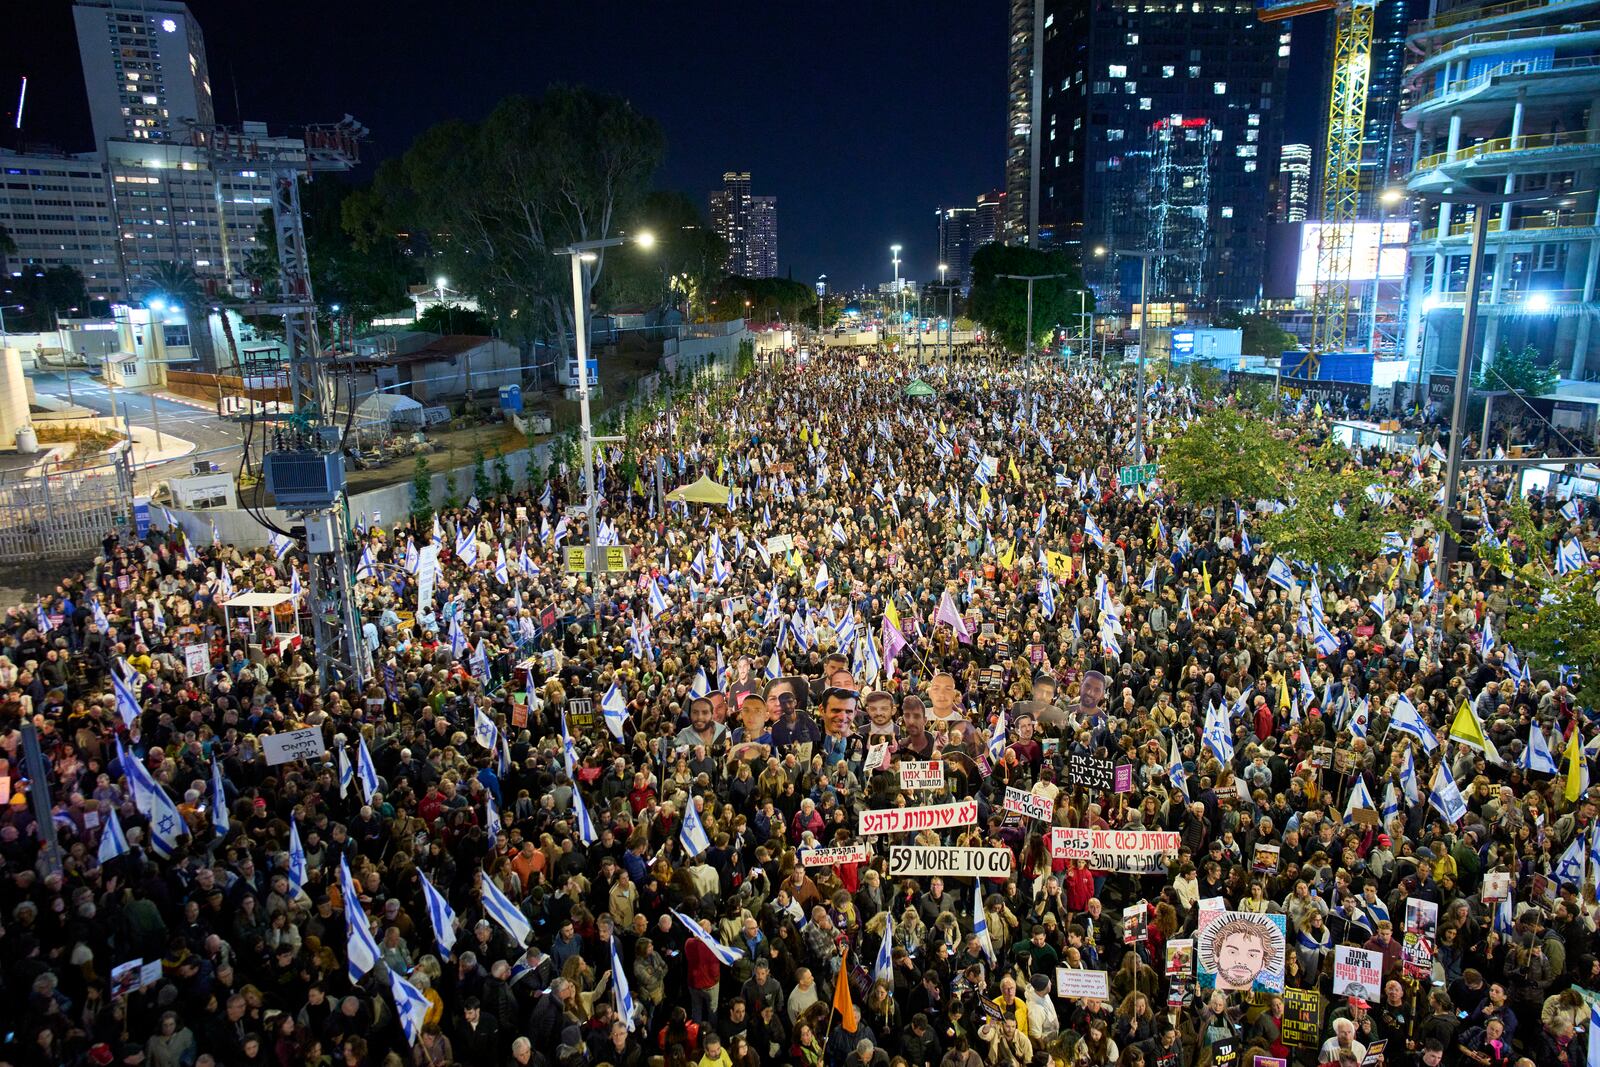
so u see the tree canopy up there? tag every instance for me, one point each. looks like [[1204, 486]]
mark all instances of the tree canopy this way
[[1260, 335], [1001, 304], [1222, 456], [1521, 371]]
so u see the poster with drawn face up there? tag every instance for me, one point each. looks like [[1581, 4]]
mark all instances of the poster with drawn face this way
[[1240, 951]]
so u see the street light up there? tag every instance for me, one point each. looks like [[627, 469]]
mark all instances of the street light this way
[[899, 308], [582, 252], [949, 315], [1145, 256], [1030, 279]]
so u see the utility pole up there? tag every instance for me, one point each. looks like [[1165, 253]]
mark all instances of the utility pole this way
[[39, 798], [1145, 256]]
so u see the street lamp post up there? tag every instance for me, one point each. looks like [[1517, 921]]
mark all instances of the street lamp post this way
[[582, 253], [1030, 279], [899, 310], [949, 315], [822, 287], [1145, 256]]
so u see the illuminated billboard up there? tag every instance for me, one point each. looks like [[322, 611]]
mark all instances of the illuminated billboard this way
[[1364, 266]]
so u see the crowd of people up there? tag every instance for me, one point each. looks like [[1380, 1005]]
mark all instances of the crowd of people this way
[[577, 818]]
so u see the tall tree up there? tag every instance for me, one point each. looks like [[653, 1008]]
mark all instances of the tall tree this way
[[1221, 457], [1001, 304], [502, 197], [178, 284]]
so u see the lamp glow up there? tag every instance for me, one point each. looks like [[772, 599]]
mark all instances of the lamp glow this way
[[1538, 302], [646, 239]]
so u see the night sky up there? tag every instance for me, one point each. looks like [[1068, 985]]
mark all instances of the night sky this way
[[860, 118]]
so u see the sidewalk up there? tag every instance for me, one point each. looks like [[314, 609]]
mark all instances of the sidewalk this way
[[147, 453]]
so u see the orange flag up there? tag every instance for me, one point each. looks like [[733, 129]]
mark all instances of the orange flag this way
[[841, 998]]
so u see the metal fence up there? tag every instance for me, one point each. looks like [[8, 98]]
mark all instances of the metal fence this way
[[65, 513]]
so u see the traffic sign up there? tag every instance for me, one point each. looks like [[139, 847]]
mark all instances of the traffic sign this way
[[1137, 474]]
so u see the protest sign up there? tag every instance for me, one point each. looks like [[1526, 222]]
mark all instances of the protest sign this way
[[1270, 1061], [828, 857], [1357, 972], [1241, 951], [1302, 1018], [1224, 1053], [1266, 859], [1136, 923], [580, 713], [931, 817], [1029, 804], [1086, 985], [1180, 958], [1088, 771], [1422, 922], [877, 757], [293, 745], [1121, 851], [1496, 887], [914, 860], [922, 775], [196, 660], [1123, 778]]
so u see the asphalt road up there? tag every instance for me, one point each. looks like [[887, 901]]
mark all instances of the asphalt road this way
[[210, 434]]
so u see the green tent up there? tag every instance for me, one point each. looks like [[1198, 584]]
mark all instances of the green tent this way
[[919, 388]]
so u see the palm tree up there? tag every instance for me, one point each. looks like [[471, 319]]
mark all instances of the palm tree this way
[[178, 284]]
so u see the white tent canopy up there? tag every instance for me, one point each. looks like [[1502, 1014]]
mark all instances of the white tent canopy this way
[[392, 408]]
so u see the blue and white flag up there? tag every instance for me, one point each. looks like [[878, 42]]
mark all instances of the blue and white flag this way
[[347, 773], [699, 687], [113, 842], [569, 751], [883, 966], [1537, 756], [1241, 590], [615, 709], [509, 917], [440, 915], [1407, 720], [1176, 772], [980, 924], [773, 669], [1570, 557], [1326, 643], [279, 544], [1408, 776], [1428, 586], [692, 833], [623, 991], [484, 731], [409, 1004], [1444, 797], [822, 579], [491, 820], [725, 955], [1391, 803], [997, 739], [297, 858], [1360, 797], [1280, 574], [365, 771], [363, 950], [586, 830], [1379, 605], [127, 703], [1569, 869], [1216, 735], [1047, 596], [658, 600]]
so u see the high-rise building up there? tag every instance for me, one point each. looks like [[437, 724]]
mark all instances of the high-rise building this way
[[145, 196], [987, 218], [144, 65], [1294, 182], [763, 254], [1020, 222], [1383, 155], [1502, 100], [1128, 85], [748, 224], [955, 242]]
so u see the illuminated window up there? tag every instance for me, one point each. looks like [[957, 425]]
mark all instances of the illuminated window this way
[[1144, 103], [1219, 88], [1250, 166], [1117, 70], [1133, 38], [1227, 212], [1115, 135], [1168, 72], [1194, 72], [1253, 120]]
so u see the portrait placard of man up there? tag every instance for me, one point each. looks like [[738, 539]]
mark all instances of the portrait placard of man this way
[[1240, 950], [1091, 693]]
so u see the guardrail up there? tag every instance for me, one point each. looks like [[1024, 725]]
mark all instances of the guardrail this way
[[1555, 220], [1474, 14], [1461, 85], [1500, 145]]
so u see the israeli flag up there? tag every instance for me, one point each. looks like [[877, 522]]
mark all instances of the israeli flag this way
[[458, 640], [1537, 756], [1175, 769], [1444, 797], [127, 703], [1242, 590], [279, 544], [845, 629], [623, 991], [484, 731], [1487, 643], [1429, 587], [997, 740], [365, 770], [615, 708], [1326, 643], [491, 820], [363, 950], [1184, 609], [1570, 557], [658, 600], [883, 966], [1360, 797], [980, 923], [699, 687], [1406, 719], [1569, 869], [1572, 511], [1216, 736], [1379, 606], [113, 842], [1149, 584], [1504, 926], [822, 579], [505, 913], [440, 915], [346, 773], [586, 830], [725, 955], [773, 669], [1391, 803], [409, 1004], [297, 858], [1408, 776], [692, 833], [569, 751], [1047, 596]]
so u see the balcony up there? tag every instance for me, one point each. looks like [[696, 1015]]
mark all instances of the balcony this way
[[1484, 150], [1557, 302], [1549, 76], [1489, 13], [1452, 44], [1555, 220]]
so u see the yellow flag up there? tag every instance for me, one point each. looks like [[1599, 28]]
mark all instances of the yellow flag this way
[[1317, 411], [722, 465], [1577, 768], [638, 486], [1011, 468], [1283, 692], [1060, 564], [1205, 579], [892, 613], [1467, 729], [983, 499], [1141, 494], [1007, 557]]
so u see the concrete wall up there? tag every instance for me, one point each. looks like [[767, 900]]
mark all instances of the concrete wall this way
[[380, 507]]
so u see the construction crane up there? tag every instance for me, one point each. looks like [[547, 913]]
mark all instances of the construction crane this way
[[1341, 162], [307, 451]]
